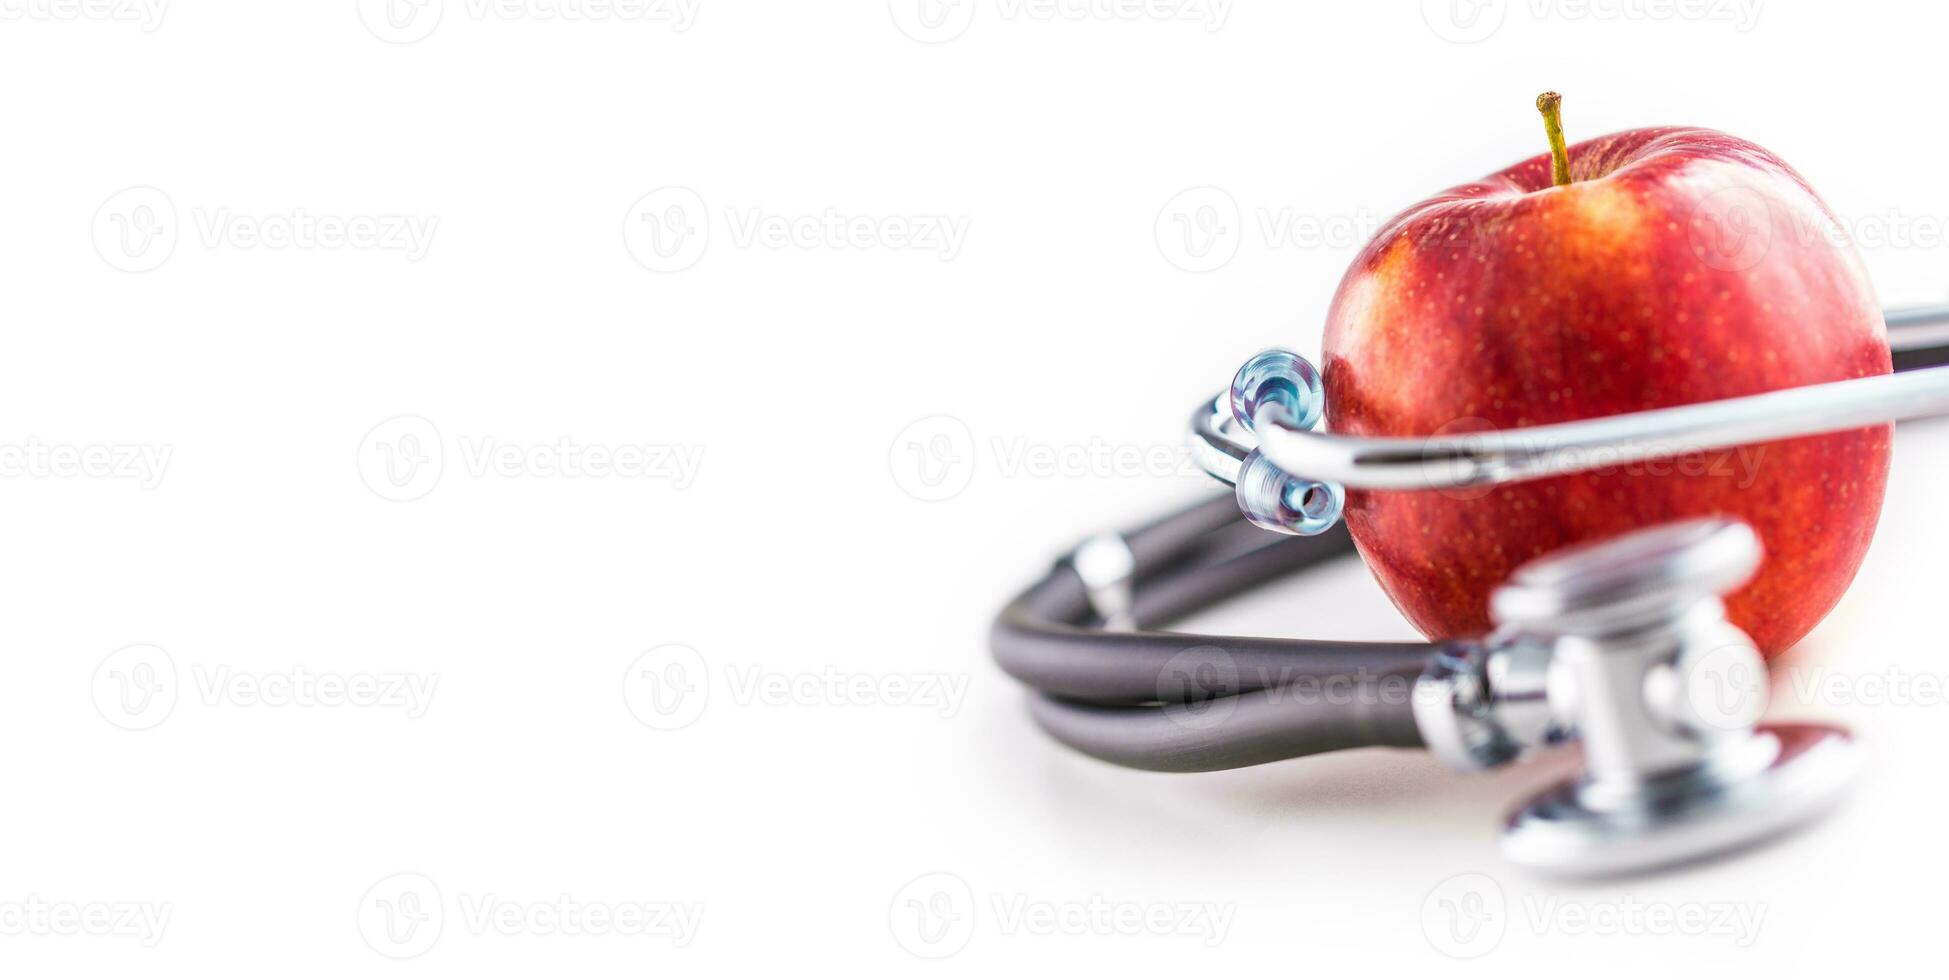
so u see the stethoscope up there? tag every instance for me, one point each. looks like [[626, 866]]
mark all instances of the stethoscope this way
[[1620, 645]]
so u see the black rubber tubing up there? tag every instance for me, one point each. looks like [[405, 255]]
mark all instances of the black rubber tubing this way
[[1179, 702]]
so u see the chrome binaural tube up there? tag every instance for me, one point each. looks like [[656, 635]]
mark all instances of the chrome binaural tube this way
[[1508, 455]]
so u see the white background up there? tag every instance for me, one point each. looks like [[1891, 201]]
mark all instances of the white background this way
[[159, 759]]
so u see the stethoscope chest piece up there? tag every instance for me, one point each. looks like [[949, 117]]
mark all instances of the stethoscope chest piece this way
[[1782, 777], [1664, 693]]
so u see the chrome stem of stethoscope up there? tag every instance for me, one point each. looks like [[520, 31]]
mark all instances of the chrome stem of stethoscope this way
[[1258, 435]]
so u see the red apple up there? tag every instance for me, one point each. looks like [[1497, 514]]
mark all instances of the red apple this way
[[1673, 266]]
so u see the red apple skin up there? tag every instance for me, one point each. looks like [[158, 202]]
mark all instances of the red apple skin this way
[[1682, 265]]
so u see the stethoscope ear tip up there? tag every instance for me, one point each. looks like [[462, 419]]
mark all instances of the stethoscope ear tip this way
[[1779, 778]]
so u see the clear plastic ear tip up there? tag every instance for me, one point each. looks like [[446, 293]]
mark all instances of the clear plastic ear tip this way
[[1281, 380], [1278, 501]]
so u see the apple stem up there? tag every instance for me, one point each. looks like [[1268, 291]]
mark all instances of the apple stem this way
[[1550, 105]]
